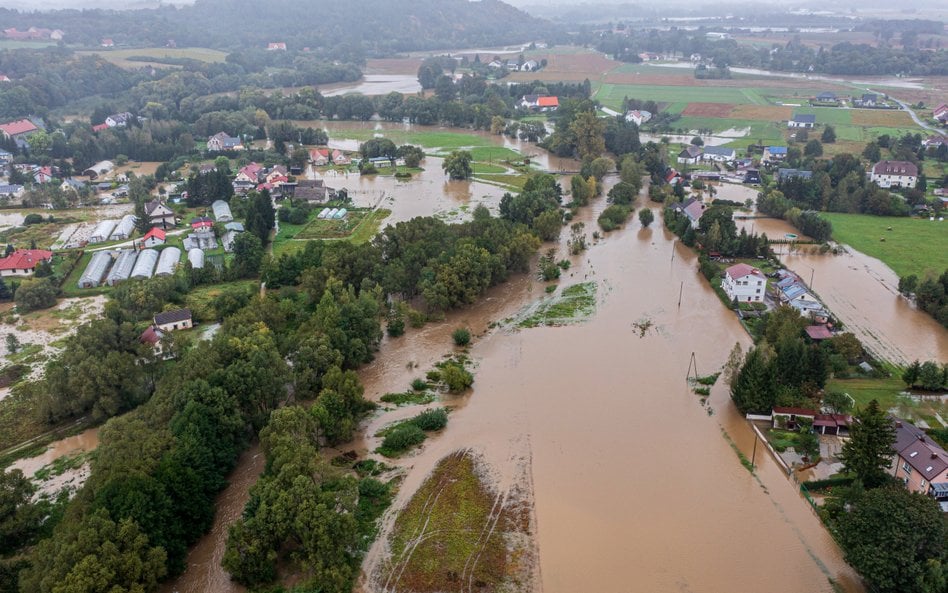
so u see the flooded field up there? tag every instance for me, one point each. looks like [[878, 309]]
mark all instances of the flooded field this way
[[375, 84], [73, 446]]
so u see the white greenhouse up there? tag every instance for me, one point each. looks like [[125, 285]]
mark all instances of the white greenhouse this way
[[196, 257], [103, 231], [124, 264], [145, 265], [169, 259], [96, 269], [124, 228]]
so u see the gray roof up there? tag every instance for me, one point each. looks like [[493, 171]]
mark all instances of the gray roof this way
[[784, 174], [172, 316], [804, 118], [145, 264], [719, 151], [167, 261], [123, 267], [124, 228], [222, 211], [95, 271]]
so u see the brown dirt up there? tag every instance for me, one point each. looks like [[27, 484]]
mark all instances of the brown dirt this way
[[392, 66], [762, 112], [708, 109], [880, 118]]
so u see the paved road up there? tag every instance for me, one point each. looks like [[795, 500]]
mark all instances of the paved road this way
[[912, 113]]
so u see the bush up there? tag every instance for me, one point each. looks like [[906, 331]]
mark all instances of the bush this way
[[35, 294], [419, 384], [402, 438], [461, 336], [396, 325], [456, 377], [430, 420], [646, 217], [613, 217], [32, 218]]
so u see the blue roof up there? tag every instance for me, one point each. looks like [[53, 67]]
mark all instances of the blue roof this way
[[777, 149], [793, 291]]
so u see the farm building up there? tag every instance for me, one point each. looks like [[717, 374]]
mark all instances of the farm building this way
[[123, 267], [222, 211], [167, 261], [124, 228], [145, 265], [196, 257], [200, 240], [96, 269], [103, 231]]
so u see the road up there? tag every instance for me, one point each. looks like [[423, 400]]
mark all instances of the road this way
[[915, 117]]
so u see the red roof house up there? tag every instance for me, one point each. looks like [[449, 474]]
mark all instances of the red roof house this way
[[22, 261], [548, 102], [202, 222], [154, 236], [20, 126], [100, 127]]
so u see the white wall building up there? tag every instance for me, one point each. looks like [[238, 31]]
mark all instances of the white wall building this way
[[745, 283]]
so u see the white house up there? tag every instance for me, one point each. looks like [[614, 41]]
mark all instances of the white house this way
[[175, 319], [118, 120], [638, 117], [221, 141], [22, 262], [894, 174], [719, 154], [690, 155], [802, 120], [745, 283], [159, 214], [530, 66]]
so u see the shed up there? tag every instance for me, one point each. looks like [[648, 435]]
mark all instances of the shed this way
[[103, 231], [124, 228], [167, 262], [222, 211], [96, 269], [100, 168], [196, 257], [145, 264], [124, 264]]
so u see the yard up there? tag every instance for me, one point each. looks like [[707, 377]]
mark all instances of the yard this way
[[127, 58], [360, 226], [912, 246]]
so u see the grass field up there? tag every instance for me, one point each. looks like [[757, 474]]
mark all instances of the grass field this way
[[120, 57], [360, 227], [611, 95], [913, 246]]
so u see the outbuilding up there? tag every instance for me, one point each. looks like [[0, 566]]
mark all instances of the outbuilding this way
[[124, 228], [95, 271], [124, 264], [168, 261], [145, 264]]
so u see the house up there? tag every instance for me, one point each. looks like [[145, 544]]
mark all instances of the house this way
[[43, 175], [690, 155], [802, 120], [719, 154], [276, 46], [250, 174], [638, 117], [934, 142], [221, 141], [5, 78], [199, 223], [530, 66], [20, 128], [154, 337], [154, 237], [496, 64], [10, 191], [826, 97], [941, 113], [808, 305], [319, 156], [22, 262], [919, 462], [118, 120], [692, 208], [72, 184], [672, 176], [648, 57], [175, 319], [774, 153], [539, 103], [785, 174], [868, 100], [894, 174], [744, 283], [788, 418], [159, 214], [107, 43], [100, 168], [312, 190], [340, 158]]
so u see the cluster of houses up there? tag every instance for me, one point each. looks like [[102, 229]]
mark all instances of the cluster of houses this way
[[33, 34], [323, 157], [790, 290], [866, 100]]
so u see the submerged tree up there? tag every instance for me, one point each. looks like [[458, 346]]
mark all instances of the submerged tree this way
[[868, 453]]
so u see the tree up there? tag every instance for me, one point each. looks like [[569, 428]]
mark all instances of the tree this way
[[646, 217], [892, 537], [753, 389], [813, 148], [458, 164], [13, 344], [829, 135], [35, 294], [872, 152], [697, 141], [631, 173], [869, 450], [248, 255], [908, 284], [19, 518], [413, 155], [838, 402], [911, 373], [600, 167], [588, 130], [461, 336], [930, 376]]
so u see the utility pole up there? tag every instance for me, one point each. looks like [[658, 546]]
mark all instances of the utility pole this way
[[680, 289], [754, 453]]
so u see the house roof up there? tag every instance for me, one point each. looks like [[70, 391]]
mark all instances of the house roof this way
[[691, 151], [100, 127], [20, 126], [152, 335], [738, 271], [694, 210], [784, 174], [818, 332], [794, 411], [826, 95], [719, 151], [804, 118], [156, 233], [153, 205], [926, 457], [900, 168], [548, 102], [172, 316], [25, 259], [198, 221], [777, 149]]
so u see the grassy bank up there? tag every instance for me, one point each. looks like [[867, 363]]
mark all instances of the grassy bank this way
[[451, 531], [913, 246], [574, 303]]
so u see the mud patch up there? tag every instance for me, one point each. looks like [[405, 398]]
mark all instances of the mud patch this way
[[457, 533]]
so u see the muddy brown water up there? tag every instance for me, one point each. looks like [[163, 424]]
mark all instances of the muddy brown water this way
[[632, 478]]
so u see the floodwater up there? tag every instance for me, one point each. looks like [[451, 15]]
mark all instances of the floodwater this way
[[631, 476], [375, 84], [86, 440], [863, 293]]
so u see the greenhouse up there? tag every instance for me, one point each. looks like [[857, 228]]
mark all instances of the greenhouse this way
[[103, 231], [124, 264], [222, 211], [196, 257], [96, 269], [124, 229], [145, 265], [168, 261]]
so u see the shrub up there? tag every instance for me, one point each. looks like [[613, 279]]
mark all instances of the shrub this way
[[402, 438], [32, 218], [456, 377], [646, 217], [396, 325], [35, 294], [430, 420], [433, 375], [613, 217], [419, 384], [461, 336]]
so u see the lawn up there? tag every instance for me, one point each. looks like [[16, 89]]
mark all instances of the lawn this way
[[359, 227], [913, 246], [885, 391], [123, 57], [611, 95]]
